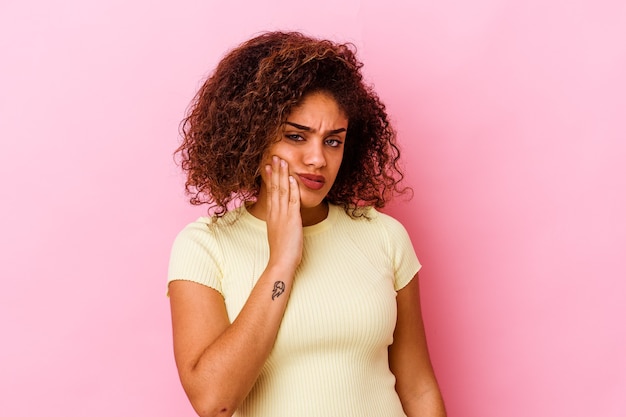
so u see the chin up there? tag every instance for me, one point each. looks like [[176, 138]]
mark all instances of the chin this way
[[310, 203], [310, 206]]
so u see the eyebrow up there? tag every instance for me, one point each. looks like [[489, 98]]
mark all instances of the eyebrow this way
[[308, 129]]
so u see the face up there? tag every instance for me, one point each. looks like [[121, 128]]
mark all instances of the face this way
[[312, 143]]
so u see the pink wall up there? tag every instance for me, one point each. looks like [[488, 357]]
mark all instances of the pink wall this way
[[511, 116]]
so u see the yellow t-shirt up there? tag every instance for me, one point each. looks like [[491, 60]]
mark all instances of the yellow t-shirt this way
[[330, 355]]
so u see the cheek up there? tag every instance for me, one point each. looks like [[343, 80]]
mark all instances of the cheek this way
[[286, 155], [337, 163], [277, 149], [267, 160]]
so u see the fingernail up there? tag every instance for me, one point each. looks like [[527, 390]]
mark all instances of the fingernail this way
[[274, 159], [283, 163]]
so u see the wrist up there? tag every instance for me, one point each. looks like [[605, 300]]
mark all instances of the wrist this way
[[280, 271]]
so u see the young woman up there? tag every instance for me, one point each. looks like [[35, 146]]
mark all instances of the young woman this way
[[303, 299]]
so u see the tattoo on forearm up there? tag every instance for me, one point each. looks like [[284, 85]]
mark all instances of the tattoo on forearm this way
[[279, 288]]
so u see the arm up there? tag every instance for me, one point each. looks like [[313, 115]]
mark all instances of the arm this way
[[219, 362], [409, 360]]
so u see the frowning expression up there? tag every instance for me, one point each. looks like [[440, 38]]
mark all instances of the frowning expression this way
[[312, 143]]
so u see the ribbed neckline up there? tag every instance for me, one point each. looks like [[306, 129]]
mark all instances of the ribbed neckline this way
[[328, 222]]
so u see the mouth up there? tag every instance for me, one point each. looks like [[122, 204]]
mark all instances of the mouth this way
[[314, 182]]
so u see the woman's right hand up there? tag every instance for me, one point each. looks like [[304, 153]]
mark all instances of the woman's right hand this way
[[283, 218], [208, 347]]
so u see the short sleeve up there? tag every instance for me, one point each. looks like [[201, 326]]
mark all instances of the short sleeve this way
[[401, 252], [195, 256]]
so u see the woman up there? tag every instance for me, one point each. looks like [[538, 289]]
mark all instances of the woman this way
[[303, 300]]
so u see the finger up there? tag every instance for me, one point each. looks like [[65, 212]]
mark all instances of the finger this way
[[267, 179], [294, 194], [283, 182], [274, 189]]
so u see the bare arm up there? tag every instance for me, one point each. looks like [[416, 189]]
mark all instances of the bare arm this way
[[409, 360], [218, 362]]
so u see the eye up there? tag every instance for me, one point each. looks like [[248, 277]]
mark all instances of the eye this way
[[294, 137], [334, 143]]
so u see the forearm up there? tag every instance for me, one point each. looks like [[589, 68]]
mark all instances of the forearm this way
[[426, 404], [409, 360], [224, 373], [219, 362]]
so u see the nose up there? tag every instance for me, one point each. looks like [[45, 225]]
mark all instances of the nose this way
[[314, 155]]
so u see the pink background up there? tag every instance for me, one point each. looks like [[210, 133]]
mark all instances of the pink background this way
[[511, 116]]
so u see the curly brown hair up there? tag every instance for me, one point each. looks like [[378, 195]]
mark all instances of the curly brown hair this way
[[238, 112]]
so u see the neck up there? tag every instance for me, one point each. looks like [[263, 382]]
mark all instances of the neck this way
[[314, 215], [310, 216]]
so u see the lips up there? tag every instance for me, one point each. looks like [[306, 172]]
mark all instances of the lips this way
[[314, 182]]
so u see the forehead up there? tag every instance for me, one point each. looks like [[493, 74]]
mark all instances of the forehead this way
[[318, 107]]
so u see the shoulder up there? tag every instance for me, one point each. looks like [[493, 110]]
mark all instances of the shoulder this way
[[383, 228], [206, 231], [200, 226], [209, 227], [369, 217], [372, 227], [194, 240], [389, 223], [379, 235], [197, 252]]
